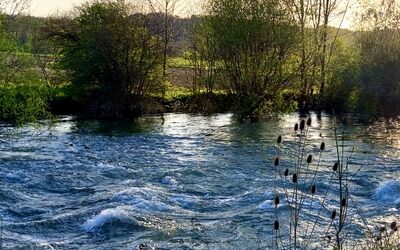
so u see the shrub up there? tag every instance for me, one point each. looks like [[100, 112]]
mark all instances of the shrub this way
[[20, 103], [252, 40], [107, 49]]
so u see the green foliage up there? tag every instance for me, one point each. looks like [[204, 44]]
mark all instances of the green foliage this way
[[380, 75], [179, 62], [253, 40], [205, 59], [23, 96], [174, 93], [343, 87], [108, 50], [24, 102]]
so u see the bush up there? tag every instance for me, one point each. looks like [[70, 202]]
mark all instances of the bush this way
[[343, 85], [253, 41], [24, 102], [23, 95], [380, 75], [107, 49]]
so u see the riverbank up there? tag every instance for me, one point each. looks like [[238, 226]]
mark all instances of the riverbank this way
[[176, 99]]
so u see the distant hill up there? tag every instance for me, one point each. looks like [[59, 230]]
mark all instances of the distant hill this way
[[25, 27]]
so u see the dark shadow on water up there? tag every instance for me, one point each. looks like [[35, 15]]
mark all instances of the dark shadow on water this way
[[142, 125]]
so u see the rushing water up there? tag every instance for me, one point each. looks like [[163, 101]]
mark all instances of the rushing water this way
[[178, 181]]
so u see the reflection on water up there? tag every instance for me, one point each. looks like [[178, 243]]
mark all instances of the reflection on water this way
[[115, 185]]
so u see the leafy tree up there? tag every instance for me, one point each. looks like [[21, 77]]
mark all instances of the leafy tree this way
[[106, 48], [23, 97], [343, 79], [253, 40], [380, 60]]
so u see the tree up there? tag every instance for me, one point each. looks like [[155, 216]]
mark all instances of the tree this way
[[379, 41], [253, 41], [316, 44], [204, 56], [106, 48], [14, 7], [10, 61], [22, 96], [167, 10]]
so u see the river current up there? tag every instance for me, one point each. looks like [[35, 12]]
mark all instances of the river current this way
[[181, 181]]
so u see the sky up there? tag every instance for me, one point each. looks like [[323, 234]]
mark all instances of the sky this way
[[50, 7]]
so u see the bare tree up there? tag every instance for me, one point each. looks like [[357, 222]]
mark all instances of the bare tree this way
[[314, 18], [14, 7], [167, 10], [10, 62]]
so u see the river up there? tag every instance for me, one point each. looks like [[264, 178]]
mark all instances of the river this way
[[181, 181]]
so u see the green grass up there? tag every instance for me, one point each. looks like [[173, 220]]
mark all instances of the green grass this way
[[175, 93], [179, 62]]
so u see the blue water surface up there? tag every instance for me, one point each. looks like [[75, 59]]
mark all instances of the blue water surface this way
[[181, 181]]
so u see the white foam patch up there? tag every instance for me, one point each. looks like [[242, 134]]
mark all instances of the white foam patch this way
[[106, 216], [388, 192], [131, 183], [185, 201], [169, 180], [127, 216], [266, 205], [13, 177], [110, 167], [143, 199]]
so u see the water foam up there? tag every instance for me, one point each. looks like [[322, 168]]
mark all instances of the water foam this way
[[126, 215], [118, 214], [185, 201], [169, 180], [388, 192], [13, 177], [143, 199], [267, 205], [132, 183]]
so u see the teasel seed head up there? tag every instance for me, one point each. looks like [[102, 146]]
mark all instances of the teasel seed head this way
[[279, 140], [302, 125], [343, 202], [335, 166], [333, 216], [277, 201], [313, 189], [322, 148], [309, 121], [309, 159], [296, 127], [286, 172], [295, 178], [276, 163], [393, 226], [276, 225]]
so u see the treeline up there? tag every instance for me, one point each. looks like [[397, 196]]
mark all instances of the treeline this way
[[112, 59]]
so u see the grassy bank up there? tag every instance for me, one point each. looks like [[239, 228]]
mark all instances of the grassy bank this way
[[67, 100]]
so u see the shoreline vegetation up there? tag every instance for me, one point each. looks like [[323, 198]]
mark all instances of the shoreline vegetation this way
[[108, 60]]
